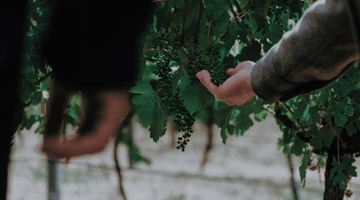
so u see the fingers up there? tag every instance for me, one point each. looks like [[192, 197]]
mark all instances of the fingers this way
[[244, 64], [239, 67], [230, 72], [114, 108], [57, 103], [205, 79]]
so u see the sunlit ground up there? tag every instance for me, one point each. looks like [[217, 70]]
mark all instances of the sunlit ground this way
[[247, 168]]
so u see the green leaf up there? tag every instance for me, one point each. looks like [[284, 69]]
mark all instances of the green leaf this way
[[250, 53], [195, 97], [243, 121], [219, 25], [41, 127], [142, 87], [337, 111], [322, 137], [302, 168], [349, 111], [158, 126], [275, 33], [339, 178], [260, 116], [252, 24], [216, 13], [346, 163], [72, 116], [299, 111], [216, 6], [342, 87], [351, 129], [353, 74], [145, 103], [298, 146], [229, 38], [340, 119], [145, 108], [222, 119], [26, 90]]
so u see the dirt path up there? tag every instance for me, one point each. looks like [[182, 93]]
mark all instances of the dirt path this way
[[247, 168]]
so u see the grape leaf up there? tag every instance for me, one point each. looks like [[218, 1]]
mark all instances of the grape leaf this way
[[353, 74], [298, 146], [337, 111], [195, 97], [145, 103], [222, 119], [349, 111], [346, 163], [216, 13], [250, 52], [339, 178], [158, 126], [275, 33], [342, 87], [302, 169], [252, 24], [299, 111], [322, 137], [142, 87], [350, 127], [229, 38], [243, 121]]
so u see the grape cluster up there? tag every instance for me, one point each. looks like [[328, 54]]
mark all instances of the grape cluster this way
[[163, 72], [183, 118], [211, 63]]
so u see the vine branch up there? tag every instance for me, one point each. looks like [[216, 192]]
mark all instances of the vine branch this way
[[289, 123], [199, 20], [184, 23]]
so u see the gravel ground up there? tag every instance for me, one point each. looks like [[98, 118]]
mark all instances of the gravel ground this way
[[246, 168]]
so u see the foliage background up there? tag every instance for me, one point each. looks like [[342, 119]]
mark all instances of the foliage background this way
[[318, 126]]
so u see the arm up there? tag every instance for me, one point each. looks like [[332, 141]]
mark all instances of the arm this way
[[316, 52], [104, 112]]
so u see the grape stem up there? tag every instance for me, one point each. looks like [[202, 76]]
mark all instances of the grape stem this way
[[151, 50], [236, 19], [199, 20], [184, 23], [318, 139], [336, 132], [157, 91]]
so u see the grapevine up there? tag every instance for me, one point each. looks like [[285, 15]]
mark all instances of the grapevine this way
[[210, 61]]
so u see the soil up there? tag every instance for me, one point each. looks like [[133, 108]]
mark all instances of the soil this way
[[246, 168]]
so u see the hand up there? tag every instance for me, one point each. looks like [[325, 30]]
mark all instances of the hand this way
[[236, 90], [99, 130]]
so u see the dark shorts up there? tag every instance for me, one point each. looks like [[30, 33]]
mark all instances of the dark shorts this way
[[96, 45]]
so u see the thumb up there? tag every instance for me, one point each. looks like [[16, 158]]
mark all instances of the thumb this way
[[205, 79], [231, 72]]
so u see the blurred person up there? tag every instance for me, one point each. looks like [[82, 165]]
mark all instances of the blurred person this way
[[93, 47], [321, 47]]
